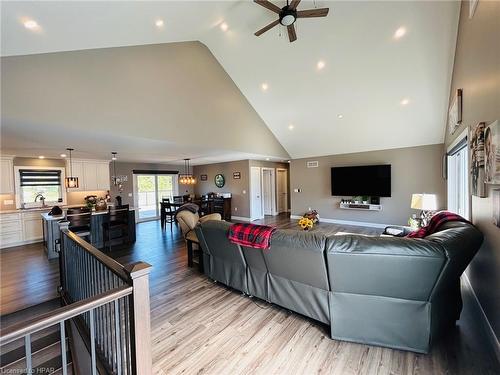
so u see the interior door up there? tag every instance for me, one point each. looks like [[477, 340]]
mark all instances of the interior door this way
[[255, 192], [267, 191], [282, 190]]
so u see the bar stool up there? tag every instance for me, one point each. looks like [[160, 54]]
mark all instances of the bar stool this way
[[117, 218], [80, 220]]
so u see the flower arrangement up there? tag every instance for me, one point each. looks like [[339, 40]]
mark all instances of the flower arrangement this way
[[306, 223], [313, 215]]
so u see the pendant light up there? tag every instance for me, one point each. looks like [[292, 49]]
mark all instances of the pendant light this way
[[71, 181], [113, 158], [186, 178]]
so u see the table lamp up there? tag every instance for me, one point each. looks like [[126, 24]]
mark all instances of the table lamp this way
[[427, 203]]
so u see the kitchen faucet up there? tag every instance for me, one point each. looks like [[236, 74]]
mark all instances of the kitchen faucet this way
[[42, 198]]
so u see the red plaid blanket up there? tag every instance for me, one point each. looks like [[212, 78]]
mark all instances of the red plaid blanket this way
[[435, 222], [251, 235]]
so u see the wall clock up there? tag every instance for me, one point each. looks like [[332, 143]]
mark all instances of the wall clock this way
[[219, 180]]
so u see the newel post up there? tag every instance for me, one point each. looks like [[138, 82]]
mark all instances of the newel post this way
[[140, 317]]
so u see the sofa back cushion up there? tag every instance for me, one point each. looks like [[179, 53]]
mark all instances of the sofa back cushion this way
[[404, 268], [215, 237], [298, 256]]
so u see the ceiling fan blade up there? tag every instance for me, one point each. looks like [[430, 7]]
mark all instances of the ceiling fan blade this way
[[294, 4], [321, 12], [291, 33], [266, 4], [266, 28]]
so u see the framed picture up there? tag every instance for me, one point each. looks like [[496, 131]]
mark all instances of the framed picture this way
[[236, 175], [455, 112], [496, 207], [492, 153], [477, 173], [203, 177]]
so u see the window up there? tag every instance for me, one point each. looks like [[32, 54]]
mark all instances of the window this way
[[458, 183], [32, 182]]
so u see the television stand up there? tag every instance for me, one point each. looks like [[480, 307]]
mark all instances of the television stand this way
[[360, 206]]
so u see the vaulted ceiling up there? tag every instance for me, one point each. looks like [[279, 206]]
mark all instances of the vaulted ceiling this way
[[372, 91]]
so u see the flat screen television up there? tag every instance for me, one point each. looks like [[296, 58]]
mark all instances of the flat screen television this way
[[371, 180]]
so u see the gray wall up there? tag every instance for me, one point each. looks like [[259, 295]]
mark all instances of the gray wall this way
[[124, 168], [477, 72], [240, 202], [414, 170], [238, 188]]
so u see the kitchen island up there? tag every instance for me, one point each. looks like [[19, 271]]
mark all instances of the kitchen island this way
[[51, 230]]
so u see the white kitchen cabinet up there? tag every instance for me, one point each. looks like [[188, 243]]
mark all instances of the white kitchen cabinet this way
[[103, 176], [6, 176], [32, 226], [11, 229], [92, 174]]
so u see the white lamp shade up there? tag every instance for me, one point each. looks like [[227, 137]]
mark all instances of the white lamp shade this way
[[425, 202]]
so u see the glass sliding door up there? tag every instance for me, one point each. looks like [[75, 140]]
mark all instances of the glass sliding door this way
[[149, 190]]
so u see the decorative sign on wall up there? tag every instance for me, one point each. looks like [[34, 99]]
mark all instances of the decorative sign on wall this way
[[203, 177], [492, 153], [455, 112], [236, 175], [312, 164], [219, 180], [476, 144]]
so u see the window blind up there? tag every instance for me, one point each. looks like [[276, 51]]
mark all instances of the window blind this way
[[32, 177]]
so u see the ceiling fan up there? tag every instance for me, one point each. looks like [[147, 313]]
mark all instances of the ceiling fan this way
[[288, 15]]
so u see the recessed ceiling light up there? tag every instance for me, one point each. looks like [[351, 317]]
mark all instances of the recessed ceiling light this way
[[340, 115], [30, 24], [399, 33], [289, 161], [320, 65], [159, 23], [268, 159], [290, 127], [41, 157], [264, 86], [63, 155], [405, 101], [224, 26]]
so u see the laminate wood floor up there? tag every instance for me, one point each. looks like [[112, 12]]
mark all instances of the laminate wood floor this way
[[199, 327]]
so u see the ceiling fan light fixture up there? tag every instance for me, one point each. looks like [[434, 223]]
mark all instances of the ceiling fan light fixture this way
[[288, 18]]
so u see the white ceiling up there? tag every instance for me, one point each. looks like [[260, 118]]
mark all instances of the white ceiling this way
[[367, 72]]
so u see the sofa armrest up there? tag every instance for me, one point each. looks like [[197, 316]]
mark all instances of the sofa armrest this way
[[210, 217]]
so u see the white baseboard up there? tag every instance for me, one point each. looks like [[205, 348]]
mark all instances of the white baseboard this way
[[486, 323], [347, 222], [240, 218], [20, 243]]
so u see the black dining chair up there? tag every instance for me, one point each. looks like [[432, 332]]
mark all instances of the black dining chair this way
[[117, 220], [80, 220], [167, 213], [186, 198]]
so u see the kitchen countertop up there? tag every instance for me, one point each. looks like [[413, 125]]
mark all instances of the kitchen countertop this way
[[37, 209], [48, 217]]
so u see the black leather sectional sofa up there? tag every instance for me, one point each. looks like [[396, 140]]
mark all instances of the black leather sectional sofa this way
[[401, 293]]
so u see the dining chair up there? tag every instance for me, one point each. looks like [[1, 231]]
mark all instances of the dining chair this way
[[167, 213], [80, 222], [117, 219]]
